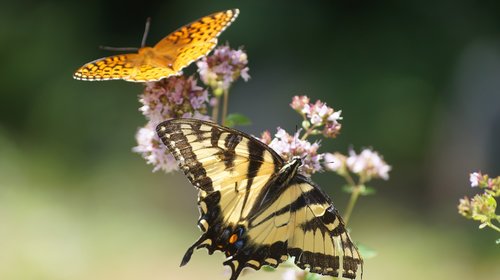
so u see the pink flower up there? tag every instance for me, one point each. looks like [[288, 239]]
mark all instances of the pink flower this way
[[266, 137], [299, 102], [153, 151], [173, 98], [332, 129], [223, 67], [368, 164], [288, 146], [335, 162], [318, 115]]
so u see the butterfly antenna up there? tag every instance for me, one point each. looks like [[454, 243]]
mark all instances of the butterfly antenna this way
[[143, 43], [118, 49], [146, 31]]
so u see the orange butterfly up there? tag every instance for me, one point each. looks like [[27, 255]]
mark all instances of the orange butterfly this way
[[167, 58]]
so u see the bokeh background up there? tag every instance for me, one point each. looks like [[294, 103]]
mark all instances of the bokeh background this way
[[419, 81]]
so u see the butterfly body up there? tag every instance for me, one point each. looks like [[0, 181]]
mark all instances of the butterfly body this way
[[167, 58], [254, 207]]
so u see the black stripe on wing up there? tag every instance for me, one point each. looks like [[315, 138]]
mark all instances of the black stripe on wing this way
[[191, 141], [178, 144], [329, 225]]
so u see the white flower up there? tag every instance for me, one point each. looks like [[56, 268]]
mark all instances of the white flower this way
[[306, 109], [368, 163], [288, 146], [334, 162], [323, 110], [474, 178], [316, 119], [292, 274], [153, 151], [335, 116]]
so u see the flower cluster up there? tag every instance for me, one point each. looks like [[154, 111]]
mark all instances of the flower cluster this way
[[288, 146], [490, 185], [152, 149], [222, 68], [174, 97], [482, 207], [367, 165], [318, 117]]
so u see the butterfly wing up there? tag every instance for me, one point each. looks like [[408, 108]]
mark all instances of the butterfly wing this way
[[230, 168], [108, 68], [167, 58], [246, 213], [299, 220], [195, 40], [215, 157], [317, 235]]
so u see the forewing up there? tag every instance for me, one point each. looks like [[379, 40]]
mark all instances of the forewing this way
[[230, 168], [214, 157], [195, 40]]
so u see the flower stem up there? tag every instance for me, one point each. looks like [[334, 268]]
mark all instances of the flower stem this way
[[224, 106], [352, 201], [215, 110], [308, 132], [491, 225]]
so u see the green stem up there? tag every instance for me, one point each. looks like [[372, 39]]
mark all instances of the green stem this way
[[347, 176], [352, 201], [494, 227], [224, 106], [308, 132], [215, 110]]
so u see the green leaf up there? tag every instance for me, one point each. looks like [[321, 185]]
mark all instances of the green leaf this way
[[312, 276], [366, 252], [368, 190], [268, 268], [233, 120], [498, 241], [347, 188]]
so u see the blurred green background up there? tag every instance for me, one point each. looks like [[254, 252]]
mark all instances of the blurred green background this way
[[419, 81]]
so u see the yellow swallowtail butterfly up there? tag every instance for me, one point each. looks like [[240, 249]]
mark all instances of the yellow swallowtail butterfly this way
[[254, 207]]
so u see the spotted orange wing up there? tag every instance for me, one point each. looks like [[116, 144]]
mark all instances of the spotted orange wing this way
[[167, 58], [195, 40], [108, 68]]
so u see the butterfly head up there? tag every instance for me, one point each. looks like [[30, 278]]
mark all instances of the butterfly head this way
[[289, 170]]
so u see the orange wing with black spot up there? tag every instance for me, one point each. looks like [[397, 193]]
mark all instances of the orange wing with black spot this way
[[167, 58], [195, 40]]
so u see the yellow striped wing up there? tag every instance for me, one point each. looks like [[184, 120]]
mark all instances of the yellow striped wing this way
[[252, 207]]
